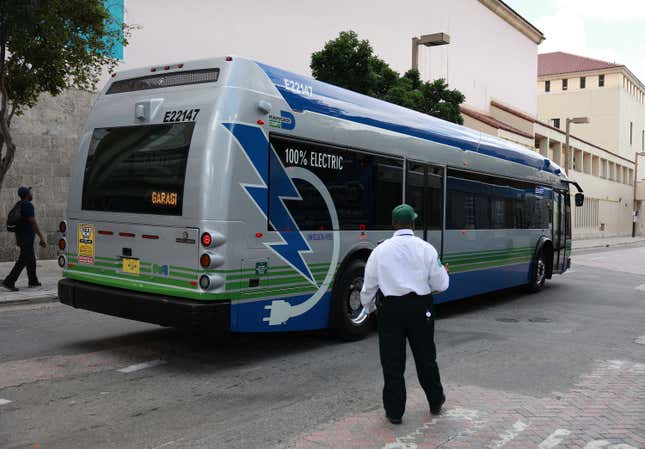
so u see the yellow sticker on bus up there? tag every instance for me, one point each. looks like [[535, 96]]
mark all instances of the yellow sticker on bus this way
[[86, 243]]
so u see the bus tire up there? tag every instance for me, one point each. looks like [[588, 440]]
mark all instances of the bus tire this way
[[538, 273], [347, 318]]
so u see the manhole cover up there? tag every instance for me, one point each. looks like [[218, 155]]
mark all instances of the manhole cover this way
[[507, 320], [640, 340], [539, 320]]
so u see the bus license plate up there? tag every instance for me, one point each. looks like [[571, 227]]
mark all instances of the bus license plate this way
[[131, 266]]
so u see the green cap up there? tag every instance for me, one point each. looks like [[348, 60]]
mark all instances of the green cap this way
[[403, 214]]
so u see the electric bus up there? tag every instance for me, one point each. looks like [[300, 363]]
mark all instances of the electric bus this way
[[231, 195]]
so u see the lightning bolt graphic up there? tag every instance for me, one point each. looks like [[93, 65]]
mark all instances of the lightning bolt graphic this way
[[255, 144]]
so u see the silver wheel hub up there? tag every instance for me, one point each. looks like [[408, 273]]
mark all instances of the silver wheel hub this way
[[541, 271], [355, 310]]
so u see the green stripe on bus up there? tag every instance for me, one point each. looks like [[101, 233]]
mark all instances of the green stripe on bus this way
[[274, 272], [143, 277], [482, 265], [270, 281], [145, 288]]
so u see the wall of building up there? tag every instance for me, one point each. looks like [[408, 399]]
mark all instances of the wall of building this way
[[285, 36], [601, 104], [632, 111], [47, 137]]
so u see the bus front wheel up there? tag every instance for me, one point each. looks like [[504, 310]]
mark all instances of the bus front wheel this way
[[348, 320], [538, 275]]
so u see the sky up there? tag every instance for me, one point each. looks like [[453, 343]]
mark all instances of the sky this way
[[612, 31]]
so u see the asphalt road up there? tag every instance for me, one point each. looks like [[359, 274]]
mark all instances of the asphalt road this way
[[73, 379]]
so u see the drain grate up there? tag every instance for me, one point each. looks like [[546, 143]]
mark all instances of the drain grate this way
[[539, 320], [507, 320], [640, 340]]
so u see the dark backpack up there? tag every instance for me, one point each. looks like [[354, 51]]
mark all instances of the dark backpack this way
[[14, 219]]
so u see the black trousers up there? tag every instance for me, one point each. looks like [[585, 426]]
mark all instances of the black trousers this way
[[27, 258], [401, 318]]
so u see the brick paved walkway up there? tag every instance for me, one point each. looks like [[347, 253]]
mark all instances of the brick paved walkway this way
[[605, 410]]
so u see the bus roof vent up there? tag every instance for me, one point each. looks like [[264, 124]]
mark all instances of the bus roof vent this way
[[164, 80]]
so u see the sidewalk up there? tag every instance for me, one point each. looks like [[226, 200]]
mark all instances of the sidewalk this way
[[605, 242], [48, 273]]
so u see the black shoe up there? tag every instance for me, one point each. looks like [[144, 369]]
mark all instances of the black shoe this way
[[35, 284], [435, 409], [9, 286], [394, 420]]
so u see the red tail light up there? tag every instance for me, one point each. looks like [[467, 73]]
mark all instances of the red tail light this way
[[62, 227], [62, 244], [207, 239]]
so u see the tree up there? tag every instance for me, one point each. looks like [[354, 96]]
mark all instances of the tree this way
[[350, 62], [47, 46]]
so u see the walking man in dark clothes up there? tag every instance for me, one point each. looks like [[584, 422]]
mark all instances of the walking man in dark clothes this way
[[407, 270], [25, 235]]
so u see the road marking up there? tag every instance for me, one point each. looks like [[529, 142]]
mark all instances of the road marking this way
[[140, 366], [509, 435], [554, 439], [5, 401]]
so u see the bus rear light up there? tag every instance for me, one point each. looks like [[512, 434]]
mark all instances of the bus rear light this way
[[193, 283], [153, 69], [62, 227], [62, 244], [205, 260], [105, 232], [259, 235], [210, 281], [207, 239], [229, 58], [166, 67], [114, 75], [180, 66], [260, 122], [61, 261], [204, 282], [126, 234], [150, 237]]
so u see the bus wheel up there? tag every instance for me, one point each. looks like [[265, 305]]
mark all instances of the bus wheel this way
[[538, 276], [348, 320]]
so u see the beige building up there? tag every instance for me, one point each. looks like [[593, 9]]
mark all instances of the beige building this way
[[602, 156]]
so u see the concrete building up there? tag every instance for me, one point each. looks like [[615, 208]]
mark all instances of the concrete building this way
[[602, 156]]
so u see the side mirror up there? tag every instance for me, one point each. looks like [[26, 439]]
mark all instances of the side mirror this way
[[580, 199]]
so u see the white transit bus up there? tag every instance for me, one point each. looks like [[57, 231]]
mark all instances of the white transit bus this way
[[228, 194]]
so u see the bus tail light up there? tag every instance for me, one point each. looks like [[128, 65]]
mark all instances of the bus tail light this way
[[210, 281], [210, 260], [205, 260], [62, 244], [207, 240], [62, 227]]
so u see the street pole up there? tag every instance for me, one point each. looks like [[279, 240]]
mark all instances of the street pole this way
[[566, 147], [415, 53]]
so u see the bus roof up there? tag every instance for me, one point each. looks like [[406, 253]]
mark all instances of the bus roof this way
[[307, 94]]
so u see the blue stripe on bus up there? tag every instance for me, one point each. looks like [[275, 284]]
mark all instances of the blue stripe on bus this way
[[341, 103], [249, 316], [477, 282]]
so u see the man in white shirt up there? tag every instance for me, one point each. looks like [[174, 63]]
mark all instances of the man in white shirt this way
[[407, 270]]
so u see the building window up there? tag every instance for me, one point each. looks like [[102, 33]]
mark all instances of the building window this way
[[547, 86], [643, 140], [565, 84], [601, 80], [631, 133], [556, 122], [583, 82]]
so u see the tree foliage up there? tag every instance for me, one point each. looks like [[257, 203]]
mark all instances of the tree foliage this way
[[47, 46], [349, 62]]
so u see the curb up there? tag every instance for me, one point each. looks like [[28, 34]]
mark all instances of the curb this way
[[607, 245], [24, 301]]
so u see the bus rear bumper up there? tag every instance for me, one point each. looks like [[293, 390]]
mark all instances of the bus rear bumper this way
[[156, 309]]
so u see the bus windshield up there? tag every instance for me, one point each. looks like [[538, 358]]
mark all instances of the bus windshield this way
[[138, 169]]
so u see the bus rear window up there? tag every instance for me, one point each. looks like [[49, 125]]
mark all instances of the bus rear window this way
[[137, 169]]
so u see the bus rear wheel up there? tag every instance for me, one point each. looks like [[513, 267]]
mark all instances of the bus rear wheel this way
[[538, 275], [348, 320]]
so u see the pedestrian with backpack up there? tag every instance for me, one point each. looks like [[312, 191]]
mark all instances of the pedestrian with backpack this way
[[22, 221]]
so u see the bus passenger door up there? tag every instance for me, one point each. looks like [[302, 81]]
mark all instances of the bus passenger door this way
[[559, 231], [425, 187]]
